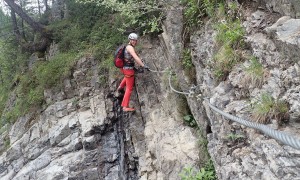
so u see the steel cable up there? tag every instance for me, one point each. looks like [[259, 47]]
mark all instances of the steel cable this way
[[278, 135], [185, 93], [166, 70]]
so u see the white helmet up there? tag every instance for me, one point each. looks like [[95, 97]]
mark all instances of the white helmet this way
[[133, 36]]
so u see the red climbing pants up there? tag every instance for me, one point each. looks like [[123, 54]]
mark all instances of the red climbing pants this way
[[127, 81]]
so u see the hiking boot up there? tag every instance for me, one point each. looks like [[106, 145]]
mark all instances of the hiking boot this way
[[120, 89], [128, 109], [120, 92]]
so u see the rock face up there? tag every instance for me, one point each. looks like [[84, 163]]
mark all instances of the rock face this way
[[255, 156], [284, 7], [81, 137], [81, 133]]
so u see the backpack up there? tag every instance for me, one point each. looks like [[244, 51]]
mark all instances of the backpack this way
[[119, 56]]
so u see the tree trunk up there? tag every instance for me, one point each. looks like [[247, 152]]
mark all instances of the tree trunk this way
[[46, 5], [42, 44], [15, 25], [39, 7], [36, 26], [22, 24], [14, 22]]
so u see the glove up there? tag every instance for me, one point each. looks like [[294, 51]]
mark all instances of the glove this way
[[139, 70], [146, 67]]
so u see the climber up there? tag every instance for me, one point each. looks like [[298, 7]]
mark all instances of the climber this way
[[128, 70]]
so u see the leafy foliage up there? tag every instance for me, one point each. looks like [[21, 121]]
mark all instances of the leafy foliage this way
[[187, 59], [30, 89], [196, 10], [69, 36], [188, 66], [87, 31], [11, 63], [5, 25], [193, 11], [94, 31], [144, 15], [210, 6], [205, 173], [189, 119]]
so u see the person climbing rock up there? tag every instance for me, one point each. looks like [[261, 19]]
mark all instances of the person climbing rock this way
[[128, 70]]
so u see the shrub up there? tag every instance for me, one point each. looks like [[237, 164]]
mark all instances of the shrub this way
[[230, 33], [193, 12], [229, 40], [3, 99], [189, 119], [224, 61], [143, 15], [205, 173], [51, 73], [267, 108], [210, 7], [187, 59], [69, 36], [11, 116], [30, 90]]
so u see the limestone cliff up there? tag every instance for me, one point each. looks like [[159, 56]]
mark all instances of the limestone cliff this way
[[82, 134]]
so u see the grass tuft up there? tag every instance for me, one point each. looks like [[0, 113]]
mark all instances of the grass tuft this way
[[254, 73], [267, 108]]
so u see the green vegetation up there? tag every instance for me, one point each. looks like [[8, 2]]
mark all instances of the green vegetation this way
[[85, 33], [230, 33], [229, 39], [193, 12], [196, 10], [229, 36], [254, 73], [234, 137], [3, 100], [267, 108], [6, 143], [146, 15], [225, 59], [189, 119], [205, 173], [187, 59], [188, 66], [51, 73], [207, 170], [30, 89], [94, 30], [12, 63], [210, 7]]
